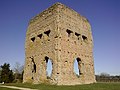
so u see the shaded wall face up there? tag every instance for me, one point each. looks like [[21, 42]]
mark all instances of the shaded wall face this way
[[61, 36], [41, 42]]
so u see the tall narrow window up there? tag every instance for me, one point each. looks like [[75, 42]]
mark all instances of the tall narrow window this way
[[33, 65], [48, 67], [77, 67]]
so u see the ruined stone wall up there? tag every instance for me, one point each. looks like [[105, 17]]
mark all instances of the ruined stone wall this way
[[76, 42], [61, 35]]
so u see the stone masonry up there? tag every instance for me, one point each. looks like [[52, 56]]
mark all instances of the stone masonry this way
[[61, 35]]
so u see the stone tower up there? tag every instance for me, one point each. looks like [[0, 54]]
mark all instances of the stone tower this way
[[62, 36]]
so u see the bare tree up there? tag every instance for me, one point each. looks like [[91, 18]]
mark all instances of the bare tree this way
[[18, 68], [103, 74], [18, 72]]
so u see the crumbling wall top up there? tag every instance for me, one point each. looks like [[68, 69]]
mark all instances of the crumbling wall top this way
[[53, 9]]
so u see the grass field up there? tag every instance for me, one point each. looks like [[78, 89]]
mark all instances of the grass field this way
[[96, 86], [1, 88]]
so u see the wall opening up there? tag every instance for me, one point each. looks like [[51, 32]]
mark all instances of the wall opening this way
[[40, 36], [32, 78], [84, 38], [78, 35], [77, 67], [69, 32], [48, 67], [56, 36], [47, 32], [33, 65], [33, 39]]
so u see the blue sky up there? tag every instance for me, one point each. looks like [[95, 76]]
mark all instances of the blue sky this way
[[104, 17]]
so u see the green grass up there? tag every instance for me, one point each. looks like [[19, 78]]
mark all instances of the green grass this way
[[95, 86], [2, 88]]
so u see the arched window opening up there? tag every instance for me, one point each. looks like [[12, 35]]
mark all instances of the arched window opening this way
[[48, 67], [69, 32], [77, 67], [47, 32]]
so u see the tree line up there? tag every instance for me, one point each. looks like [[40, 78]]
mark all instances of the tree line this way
[[105, 77], [11, 76]]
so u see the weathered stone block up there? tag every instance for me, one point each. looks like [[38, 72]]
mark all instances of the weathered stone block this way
[[62, 36]]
